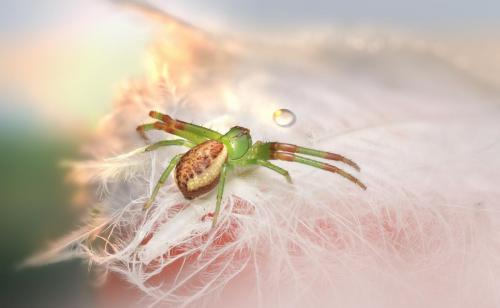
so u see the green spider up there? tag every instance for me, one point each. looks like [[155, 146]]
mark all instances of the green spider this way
[[212, 154]]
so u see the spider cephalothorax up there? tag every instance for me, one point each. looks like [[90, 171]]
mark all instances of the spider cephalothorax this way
[[212, 154]]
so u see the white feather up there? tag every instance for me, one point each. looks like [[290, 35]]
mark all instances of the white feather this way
[[425, 233]]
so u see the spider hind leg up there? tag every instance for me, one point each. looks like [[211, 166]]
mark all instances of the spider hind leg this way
[[220, 193], [162, 180], [285, 173]]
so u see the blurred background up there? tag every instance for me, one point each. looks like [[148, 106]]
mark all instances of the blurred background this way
[[63, 61]]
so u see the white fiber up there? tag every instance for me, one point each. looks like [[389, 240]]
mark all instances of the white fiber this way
[[426, 135]]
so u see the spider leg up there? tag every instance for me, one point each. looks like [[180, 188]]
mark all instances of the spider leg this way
[[263, 151], [291, 148], [265, 163], [163, 143], [317, 164], [162, 180], [181, 125], [197, 139], [220, 192]]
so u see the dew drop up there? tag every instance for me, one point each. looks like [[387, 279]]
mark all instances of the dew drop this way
[[284, 117]]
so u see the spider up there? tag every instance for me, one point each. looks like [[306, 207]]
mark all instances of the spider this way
[[212, 155]]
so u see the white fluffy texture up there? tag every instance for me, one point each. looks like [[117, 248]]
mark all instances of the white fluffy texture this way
[[427, 138]]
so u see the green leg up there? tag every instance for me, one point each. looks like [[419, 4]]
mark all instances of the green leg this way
[[263, 151], [163, 143], [162, 180], [197, 139], [291, 148], [220, 192], [317, 164], [280, 170], [192, 128]]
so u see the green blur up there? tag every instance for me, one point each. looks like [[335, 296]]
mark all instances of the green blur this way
[[35, 209]]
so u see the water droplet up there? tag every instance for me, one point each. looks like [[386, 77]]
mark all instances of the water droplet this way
[[284, 117]]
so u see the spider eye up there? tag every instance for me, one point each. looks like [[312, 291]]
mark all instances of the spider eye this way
[[238, 141]]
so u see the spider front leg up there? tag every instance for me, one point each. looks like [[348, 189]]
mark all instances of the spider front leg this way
[[181, 125], [268, 151], [313, 163], [163, 143], [162, 180], [291, 148], [197, 139], [194, 133]]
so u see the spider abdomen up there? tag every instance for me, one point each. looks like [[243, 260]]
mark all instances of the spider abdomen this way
[[199, 169]]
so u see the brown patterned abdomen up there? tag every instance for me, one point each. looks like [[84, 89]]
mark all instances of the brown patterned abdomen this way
[[199, 169]]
